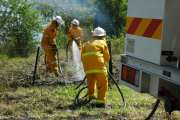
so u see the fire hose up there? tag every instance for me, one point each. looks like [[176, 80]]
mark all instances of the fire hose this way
[[153, 110], [81, 101]]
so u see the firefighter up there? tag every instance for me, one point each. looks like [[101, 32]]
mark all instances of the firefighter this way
[[74, 33], [48, 44], [95, 56]]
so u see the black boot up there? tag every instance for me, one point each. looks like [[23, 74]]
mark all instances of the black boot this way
[[100, 105]]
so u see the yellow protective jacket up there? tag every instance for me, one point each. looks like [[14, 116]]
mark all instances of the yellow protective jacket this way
[[74, 32], [49, 36], [95, 55]]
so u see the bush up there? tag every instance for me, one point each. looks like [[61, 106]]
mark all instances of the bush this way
[[117, 44], [62, 39], [19, 25]]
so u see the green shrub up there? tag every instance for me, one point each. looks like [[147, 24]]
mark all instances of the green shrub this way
[[117, 44], [19, 26]]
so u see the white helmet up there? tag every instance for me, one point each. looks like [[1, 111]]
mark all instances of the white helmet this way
[[75, 22], [59, 20], [99, 32]]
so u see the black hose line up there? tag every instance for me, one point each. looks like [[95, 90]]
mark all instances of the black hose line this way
[[79, 102], [154, 109], [121, 93], [83, 81]]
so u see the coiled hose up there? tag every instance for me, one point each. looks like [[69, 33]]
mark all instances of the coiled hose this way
[[81, 101]]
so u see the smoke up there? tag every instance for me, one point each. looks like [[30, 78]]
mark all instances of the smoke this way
[[84, 10], [74, 8]]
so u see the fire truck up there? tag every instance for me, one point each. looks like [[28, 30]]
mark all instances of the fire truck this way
[[151, 61]]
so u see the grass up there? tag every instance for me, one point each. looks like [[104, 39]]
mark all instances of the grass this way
[[51, 103]]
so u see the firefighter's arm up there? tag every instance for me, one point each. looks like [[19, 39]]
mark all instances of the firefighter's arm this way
[[53, 33], [78, 34], [50, 34], [69, 34], [106, 54]]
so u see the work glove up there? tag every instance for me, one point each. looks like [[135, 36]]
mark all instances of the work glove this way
[[77, 38]]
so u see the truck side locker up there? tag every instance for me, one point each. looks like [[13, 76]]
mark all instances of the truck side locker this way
[[151, 62]]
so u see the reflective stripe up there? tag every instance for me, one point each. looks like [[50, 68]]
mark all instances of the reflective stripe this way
[[100, 101], [96, 71], [53, 62], [92, 97], [92, 53]]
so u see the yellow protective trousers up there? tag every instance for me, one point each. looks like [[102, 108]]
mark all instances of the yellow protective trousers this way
[[51, 60], [99, 81]]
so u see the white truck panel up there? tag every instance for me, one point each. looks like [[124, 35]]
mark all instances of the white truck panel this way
[[145, 48], [146, 8], [171, 34]]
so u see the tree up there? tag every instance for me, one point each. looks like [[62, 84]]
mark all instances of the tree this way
[[111, 15], [18, 27], [46, 10]]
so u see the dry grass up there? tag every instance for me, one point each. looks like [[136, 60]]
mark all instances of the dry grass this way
[[52, 102], [21, 101]]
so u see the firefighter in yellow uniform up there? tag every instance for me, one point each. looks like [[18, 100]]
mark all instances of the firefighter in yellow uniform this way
[[75, 33], [48, 44], [95, 56]]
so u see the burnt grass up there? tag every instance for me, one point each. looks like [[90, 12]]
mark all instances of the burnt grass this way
[[52, 99]]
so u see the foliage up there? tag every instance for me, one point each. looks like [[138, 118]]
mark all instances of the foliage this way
[[19, 25], [117, 44], [46, 11], [111, 15], [62, 38]]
